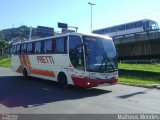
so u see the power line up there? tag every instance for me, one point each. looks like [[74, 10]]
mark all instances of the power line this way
[[138, 15]]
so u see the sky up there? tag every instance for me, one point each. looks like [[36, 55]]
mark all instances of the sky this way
[[32, 13]]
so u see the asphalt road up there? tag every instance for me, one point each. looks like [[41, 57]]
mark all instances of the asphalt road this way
[[40, 96]]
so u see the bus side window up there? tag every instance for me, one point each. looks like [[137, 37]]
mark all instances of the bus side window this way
[[29, 48], [61, 45], [48, 46], [37, 47], [53, 45], [76, 52], [24, 48], [18, 49]]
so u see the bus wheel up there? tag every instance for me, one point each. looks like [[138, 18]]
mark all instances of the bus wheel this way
[[25, 74], [62, 80]]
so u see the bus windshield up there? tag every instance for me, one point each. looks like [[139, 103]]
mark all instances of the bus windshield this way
[[100, 55]]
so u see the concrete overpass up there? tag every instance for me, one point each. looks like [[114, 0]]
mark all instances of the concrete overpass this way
[[144, 45]]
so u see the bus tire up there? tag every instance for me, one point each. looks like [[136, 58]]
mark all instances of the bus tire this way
[[25, 74], [62, 80]]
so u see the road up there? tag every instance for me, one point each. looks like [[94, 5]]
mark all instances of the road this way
[[41, 96]]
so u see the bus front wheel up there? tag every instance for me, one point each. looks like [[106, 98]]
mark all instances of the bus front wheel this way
[[62, 80], [25, 74]]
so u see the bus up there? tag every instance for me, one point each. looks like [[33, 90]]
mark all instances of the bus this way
[[84, 60], [129, 28]]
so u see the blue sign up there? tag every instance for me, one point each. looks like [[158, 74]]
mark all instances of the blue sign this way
[[62, 25]]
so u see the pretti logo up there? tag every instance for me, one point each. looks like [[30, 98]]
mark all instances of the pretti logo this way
[[45, 59]]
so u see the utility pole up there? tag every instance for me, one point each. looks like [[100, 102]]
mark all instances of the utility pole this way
[[91, 13], [30, 33]]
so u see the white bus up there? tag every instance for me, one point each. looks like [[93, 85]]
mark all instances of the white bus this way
[[84, 60], [128, 28]]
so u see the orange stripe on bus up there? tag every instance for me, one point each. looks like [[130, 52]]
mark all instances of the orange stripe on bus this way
[[24, 61], [43, 72], [20, 68]]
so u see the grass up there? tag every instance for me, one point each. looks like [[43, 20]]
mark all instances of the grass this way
[[5, 62], [140, 67], [138, 81], [141, 77]]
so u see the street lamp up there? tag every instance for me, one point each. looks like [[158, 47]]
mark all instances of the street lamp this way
[[91, 13]]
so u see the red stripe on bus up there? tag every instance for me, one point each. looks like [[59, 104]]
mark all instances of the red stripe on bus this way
[[86, 82]]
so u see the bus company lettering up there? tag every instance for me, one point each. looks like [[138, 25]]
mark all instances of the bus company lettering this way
[[45, 59]]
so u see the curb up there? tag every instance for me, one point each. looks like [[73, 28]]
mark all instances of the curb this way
[[157, 86]]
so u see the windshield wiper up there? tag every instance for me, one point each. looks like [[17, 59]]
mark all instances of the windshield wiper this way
[[112, 64]]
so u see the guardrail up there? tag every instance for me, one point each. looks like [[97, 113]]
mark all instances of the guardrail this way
[[139, 36]]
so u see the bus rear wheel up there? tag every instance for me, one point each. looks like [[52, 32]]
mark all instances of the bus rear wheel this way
[[25, 74], [62, 80]]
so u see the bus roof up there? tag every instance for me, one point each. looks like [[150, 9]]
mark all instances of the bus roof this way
[[62, 35]]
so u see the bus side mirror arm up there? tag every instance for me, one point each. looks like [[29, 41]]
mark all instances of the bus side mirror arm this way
[[85, 47]]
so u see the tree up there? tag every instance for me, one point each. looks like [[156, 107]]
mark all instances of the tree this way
[[4, 48], [2, 44]]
